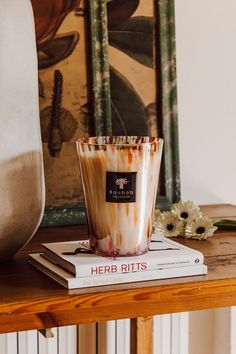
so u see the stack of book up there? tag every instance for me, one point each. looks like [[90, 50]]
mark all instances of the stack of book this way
[[73, 265]]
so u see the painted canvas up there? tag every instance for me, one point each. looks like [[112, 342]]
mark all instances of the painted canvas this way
[[63, 82], [133, 75], [105, 67]]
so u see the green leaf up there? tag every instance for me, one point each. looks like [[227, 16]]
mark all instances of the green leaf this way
[[135, 38], [129, 115], [57, 49], [119, 11], [226, 224]]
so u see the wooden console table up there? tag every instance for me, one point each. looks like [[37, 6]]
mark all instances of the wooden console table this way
[[31, 300]]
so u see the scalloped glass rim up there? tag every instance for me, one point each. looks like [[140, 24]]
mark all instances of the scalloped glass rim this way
[[120, 140]]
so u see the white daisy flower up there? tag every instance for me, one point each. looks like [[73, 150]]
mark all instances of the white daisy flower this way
[[200, 229], [186, 211], [169, 225], [157, 215]]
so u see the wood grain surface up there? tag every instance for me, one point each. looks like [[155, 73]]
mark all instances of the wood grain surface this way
[[141, 335], [31, 300]]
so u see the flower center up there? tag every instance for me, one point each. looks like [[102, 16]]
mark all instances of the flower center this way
[[184, 215], [200, 230], [170, 227]]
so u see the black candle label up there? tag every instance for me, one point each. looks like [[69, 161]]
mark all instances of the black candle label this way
[[121, 187]]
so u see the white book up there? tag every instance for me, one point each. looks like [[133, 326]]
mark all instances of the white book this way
[[163, 253], [70, 282]]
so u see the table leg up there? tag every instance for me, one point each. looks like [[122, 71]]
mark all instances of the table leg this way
[[47, 332], [141, 335]]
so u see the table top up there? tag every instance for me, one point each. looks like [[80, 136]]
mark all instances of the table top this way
[[31, 300]]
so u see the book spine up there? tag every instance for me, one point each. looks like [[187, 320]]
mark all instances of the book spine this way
[[158, 274], [121, 266]]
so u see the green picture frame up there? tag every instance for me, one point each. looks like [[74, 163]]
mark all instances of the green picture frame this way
[[101, 98]]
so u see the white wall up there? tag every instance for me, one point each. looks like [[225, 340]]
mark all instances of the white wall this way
[[206, 69], [206, 73]]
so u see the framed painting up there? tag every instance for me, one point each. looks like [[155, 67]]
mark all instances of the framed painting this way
[[105, 68]]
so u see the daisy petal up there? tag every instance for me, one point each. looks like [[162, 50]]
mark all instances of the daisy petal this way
[[169, 225], [200, 229], [186, 211]]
